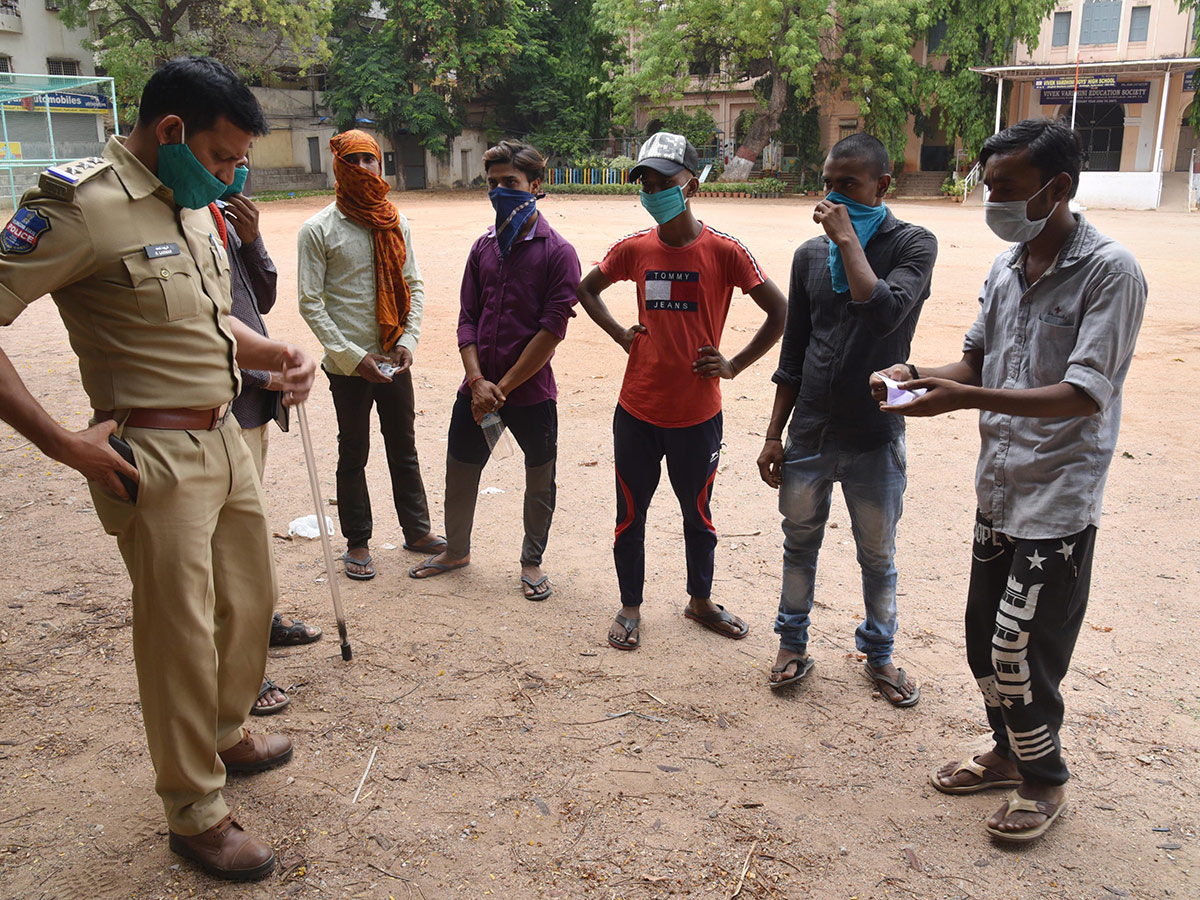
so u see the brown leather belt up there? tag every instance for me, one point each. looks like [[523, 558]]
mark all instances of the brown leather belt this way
[[171, 419]]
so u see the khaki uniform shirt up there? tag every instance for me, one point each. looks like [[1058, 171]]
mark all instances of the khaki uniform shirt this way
[[143, 288]]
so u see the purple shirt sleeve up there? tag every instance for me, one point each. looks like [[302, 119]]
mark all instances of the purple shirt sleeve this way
[[561, 286], [469, 300]]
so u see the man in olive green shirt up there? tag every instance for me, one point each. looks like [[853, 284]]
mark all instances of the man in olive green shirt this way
[[337, 286]]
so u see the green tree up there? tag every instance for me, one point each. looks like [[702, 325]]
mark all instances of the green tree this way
[[549, 93], [415, 70], [132, 38], [773, 38], [862, 47], [980, 34]]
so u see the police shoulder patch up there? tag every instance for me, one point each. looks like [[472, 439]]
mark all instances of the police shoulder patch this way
[[23, 231], [60, 181]]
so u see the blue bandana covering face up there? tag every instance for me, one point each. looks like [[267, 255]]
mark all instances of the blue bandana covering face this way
[[513, 209], [193, 185], [866, 221], [665, 205], [239, 182]]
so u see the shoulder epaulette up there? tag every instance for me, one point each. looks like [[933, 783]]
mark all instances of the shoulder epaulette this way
[[60, 182]]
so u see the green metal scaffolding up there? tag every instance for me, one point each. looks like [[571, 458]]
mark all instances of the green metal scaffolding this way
[[18, 87]]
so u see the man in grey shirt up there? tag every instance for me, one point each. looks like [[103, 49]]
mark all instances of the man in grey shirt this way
[[1044, 363]]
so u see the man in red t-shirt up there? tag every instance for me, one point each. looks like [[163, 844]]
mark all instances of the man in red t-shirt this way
[[670, 402]]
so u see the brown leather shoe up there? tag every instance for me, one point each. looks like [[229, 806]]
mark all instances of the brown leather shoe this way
[[256, 753], [226, 851]]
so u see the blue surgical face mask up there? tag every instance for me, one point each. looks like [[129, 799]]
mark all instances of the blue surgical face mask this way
[[193, 185], [666, 204], [239, 182], [513, 209]]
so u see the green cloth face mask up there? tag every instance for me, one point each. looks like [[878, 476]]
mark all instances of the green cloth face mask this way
[[239, 181], [665, 205], [193, 185]]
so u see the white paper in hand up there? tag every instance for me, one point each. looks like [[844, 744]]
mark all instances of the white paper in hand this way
[[898, 396]]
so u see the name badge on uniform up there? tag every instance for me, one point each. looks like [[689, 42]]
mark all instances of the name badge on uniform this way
[[157, 251]]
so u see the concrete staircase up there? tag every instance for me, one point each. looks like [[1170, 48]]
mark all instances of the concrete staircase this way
[[919, 185], [286, 178]]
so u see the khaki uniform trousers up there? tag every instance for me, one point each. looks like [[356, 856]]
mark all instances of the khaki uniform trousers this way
[[197, 548], [256, 440]]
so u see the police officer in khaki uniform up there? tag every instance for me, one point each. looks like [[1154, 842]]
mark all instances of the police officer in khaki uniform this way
[[128, 251]]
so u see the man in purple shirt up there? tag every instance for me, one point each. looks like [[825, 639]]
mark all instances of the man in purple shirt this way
[[517, 293]]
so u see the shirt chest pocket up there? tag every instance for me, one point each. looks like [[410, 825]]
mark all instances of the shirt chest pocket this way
[[1050, 350], [167, 288]]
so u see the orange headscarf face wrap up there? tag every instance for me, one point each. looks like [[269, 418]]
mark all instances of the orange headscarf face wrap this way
[[362, 198]]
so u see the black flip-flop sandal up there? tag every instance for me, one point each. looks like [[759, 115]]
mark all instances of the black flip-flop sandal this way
[[435, 546], [714, 621], [358, 576], [535, 586], [291, 635], [438, 568], [630, 625], [805, 666], [910, 700], [267, 686]]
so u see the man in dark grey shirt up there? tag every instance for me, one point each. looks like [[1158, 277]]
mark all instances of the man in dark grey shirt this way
[[1044, 363], [252, 285], [855, 295]]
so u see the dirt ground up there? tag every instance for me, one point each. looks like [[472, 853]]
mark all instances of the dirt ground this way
[[518, 756]]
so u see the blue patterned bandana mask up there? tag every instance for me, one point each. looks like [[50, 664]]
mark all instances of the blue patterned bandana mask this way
[[866, 221], [513, 209]]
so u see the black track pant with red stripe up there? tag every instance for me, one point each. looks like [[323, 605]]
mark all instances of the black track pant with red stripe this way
[[692, 455]]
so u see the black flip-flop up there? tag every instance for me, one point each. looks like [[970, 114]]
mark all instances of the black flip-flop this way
[[438, 568], [713, 621], [364, 576], [534, 586], [269, 685], [435, 546], [805, 666], [910, 700], [630, 625]]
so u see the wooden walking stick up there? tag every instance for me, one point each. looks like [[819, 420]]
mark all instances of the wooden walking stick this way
[[331, 577]]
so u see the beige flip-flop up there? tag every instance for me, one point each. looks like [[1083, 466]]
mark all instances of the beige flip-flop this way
[[984, 784], [1017, 803]]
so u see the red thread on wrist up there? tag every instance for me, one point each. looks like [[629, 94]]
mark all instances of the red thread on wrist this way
[[471, 381]]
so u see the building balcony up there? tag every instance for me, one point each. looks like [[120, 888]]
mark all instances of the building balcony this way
[[10, 16]]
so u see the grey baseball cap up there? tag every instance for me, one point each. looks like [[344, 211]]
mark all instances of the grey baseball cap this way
[[666, 154]]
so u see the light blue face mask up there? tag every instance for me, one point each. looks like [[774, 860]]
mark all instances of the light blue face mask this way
[[239, 181], [665, 205], [193, 185], [866, 221]]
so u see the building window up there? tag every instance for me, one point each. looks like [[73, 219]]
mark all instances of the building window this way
[[1139, 24], [1062, 30], [5, 63], [10, 7], [847, 127], [936, 35], [1101, 22], [62, 67], [53, 5]]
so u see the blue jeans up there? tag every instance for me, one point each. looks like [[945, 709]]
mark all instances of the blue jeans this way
[[873, 483]]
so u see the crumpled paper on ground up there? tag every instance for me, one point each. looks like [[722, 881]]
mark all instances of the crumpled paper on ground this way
[[306, 527]]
